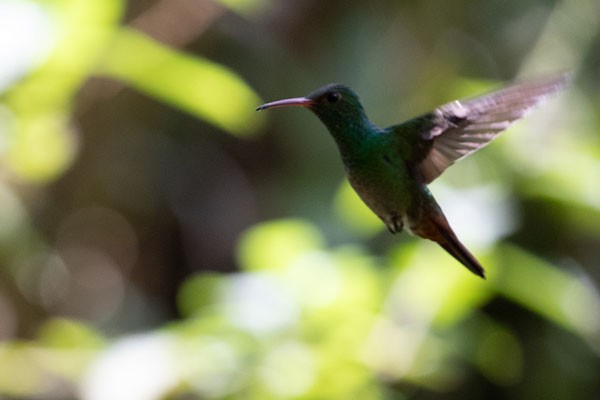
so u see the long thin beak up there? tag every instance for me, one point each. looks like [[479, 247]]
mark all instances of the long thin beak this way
[[296, 101]]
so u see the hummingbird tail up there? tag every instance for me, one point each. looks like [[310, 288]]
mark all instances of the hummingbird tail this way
[[456, 249], [435, 227]]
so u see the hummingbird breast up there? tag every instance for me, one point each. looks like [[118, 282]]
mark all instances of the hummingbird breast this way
[[382, 180]]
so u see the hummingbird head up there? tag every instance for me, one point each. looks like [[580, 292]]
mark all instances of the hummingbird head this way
[[335, 104]]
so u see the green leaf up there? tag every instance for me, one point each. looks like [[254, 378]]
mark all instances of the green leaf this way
[[199, 86], [274, 245], [555, 294], [41, 144]]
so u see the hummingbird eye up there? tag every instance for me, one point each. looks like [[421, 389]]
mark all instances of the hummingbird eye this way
[[333, 97]]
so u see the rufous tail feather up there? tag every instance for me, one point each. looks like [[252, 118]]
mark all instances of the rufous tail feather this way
[[456, 249]]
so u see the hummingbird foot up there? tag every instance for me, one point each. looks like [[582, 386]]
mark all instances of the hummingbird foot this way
[[394, 224]]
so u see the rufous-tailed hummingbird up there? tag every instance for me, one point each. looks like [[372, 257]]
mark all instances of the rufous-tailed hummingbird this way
[[390, 167]]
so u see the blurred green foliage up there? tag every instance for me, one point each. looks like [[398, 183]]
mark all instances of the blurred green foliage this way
[[160, 240], [203, 88]]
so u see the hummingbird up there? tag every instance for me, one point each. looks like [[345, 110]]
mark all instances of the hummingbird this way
[[390, 168]]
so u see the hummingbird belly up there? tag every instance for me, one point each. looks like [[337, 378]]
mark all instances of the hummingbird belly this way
[[386, 188]]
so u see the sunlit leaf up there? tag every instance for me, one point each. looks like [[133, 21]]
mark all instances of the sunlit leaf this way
[[66, 347], [212, 364], [571, 182], [42, 148], [256, 303], [436, 287], [461, 87], [41, 145], [19, 374], [199, 292], [564, 298], [275, 244], [362, 283], [68, 334], [197, 85], [288, 370], [314, 279]]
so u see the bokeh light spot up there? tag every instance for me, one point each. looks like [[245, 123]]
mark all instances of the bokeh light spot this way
[[274, 245]]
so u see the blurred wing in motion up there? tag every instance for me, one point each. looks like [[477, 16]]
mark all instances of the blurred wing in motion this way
[[463, 127]]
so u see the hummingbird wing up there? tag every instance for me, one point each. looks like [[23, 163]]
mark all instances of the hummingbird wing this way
[[462, 127]]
